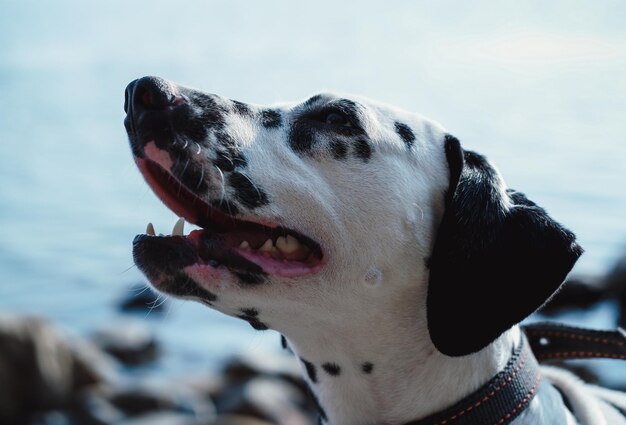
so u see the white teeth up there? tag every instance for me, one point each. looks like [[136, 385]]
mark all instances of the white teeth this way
[[287, 244], [244, 245], [150, 230], [179, 227], [268, 246]]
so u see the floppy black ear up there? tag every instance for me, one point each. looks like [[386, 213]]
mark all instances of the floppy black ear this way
[[496, 259]]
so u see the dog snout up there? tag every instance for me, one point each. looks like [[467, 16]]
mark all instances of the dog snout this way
[[152, 94]]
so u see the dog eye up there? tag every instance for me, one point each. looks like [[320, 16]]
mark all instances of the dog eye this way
[[335, 118]]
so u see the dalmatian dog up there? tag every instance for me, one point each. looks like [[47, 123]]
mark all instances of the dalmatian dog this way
[[396, 264]]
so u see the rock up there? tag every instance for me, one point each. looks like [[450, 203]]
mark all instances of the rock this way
[[94, 408], [162, 418], [137, 401], [56, 417], [267, 398], [53, 417], [40, 368], [267, 386], [239, 420], [206, 385], [142, 298], [139, 398], [131, 342]]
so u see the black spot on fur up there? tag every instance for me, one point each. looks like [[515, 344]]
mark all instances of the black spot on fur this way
[[332, 369], [367, 367], [224, 162], [339, 149], [271, 118], [259, 326], [239, 160], [320, 409], [246, 192], [229, 156], [250, 278], [301, 137], [345, 108], [349, 108], [405, 133], [241, 108], [224, 139], [310, 370], [256, 324], [189, 127], [283, 342], [211, 117], [250, 315], [183, 286], [312, 121], [250, 312], [362, 149], [313, 100]]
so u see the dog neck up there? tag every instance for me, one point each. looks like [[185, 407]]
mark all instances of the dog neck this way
[[382, 368]]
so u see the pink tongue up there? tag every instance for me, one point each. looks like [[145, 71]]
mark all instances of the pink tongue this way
[[278, 267]]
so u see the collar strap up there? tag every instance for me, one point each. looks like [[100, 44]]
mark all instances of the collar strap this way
[[557, 341], [500, 400]]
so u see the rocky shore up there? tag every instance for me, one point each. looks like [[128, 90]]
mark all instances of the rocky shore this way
[[51, 378], [48, 377]]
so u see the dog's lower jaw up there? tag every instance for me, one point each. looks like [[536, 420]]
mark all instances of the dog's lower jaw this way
[[391, 373]]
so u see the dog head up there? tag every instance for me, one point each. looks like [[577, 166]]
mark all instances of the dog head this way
[[333, 209]]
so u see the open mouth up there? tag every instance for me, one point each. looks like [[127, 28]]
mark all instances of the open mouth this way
[[225, 241]]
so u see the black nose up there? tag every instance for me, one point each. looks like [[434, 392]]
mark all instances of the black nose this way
[[150, 93]]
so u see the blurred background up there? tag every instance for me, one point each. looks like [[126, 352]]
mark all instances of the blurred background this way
[[539, 87]]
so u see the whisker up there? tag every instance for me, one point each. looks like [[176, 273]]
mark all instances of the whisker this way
[[181, 175], [163, 301], [139, 291], [127, 270], [151, 307], [184, 168], [230, 211], [158, 298], [222, 184], [169, 310], [201, 178]]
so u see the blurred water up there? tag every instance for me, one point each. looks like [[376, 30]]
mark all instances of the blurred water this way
[[538, 87]]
